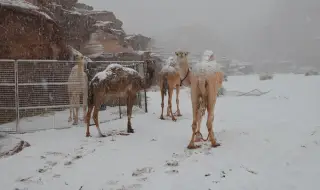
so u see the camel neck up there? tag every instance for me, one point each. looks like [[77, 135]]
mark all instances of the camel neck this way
[[80, 67], [185, 74]]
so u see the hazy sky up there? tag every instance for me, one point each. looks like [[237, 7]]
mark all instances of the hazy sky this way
[[151, 17]]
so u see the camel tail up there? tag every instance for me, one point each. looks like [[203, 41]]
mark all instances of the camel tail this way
[[202, 83], [165, 85], [90, 95]]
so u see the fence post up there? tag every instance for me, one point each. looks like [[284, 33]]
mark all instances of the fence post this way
[[145, 90], [16, 85]]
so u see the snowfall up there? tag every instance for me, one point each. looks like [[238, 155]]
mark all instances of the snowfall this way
[[269, 142]]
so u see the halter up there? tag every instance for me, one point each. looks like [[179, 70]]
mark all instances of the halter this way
[[181, 81]]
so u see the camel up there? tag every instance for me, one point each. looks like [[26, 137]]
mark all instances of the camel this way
[[114, 81], [171, 76], [75, 91], [206, 79]]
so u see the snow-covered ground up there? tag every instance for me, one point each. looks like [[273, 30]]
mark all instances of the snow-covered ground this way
[[271, 142]]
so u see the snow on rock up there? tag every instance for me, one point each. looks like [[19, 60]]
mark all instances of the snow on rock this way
[[104, 23], [19, 3], [24, 5], [207, 65]]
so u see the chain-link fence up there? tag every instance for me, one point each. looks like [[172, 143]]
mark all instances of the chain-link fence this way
[[34, 94]]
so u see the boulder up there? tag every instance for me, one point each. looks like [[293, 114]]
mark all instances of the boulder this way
[[10, 145]]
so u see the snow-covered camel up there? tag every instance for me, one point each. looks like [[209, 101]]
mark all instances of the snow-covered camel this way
[[206, 79], [114, 81], [172, 75]]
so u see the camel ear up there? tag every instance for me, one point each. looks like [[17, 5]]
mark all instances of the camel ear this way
[[176, 53]]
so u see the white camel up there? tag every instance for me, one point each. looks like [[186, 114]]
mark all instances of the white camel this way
[[78, 85]]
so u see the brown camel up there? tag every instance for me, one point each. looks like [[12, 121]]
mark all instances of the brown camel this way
[[173, 75], [114, 81], [78, 87], [206, 79]]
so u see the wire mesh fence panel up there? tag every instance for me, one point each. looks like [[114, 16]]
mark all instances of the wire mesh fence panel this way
[[39, 94], [8, 114], [44, 93]]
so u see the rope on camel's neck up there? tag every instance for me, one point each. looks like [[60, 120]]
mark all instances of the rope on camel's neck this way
[[181, 81]]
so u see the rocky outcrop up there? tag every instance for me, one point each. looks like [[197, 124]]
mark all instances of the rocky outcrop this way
[[83, 6], [29, 32], [10, 145], [138, 42]]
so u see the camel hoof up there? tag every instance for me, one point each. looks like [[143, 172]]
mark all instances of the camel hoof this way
[[75, 123], [215, 145], [102, 135], [88, 135], [161, 117], [130, 130], [174, 119], [179, 115], [192, 146]]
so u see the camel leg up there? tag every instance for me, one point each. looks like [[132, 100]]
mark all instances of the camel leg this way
[[199, 119], [130, 101], [88, 116], [162, 99], [74, 115], [195, 108], [168, 107], [85, 99], [212, 97], [70, 111], [96, 119], [177, 100], [76, 120], [194, 127], [76, 100], [84, 113], [170, 103], [70, 115]]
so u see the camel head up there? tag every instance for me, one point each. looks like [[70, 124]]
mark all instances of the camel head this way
[[182, 56], [78, 58], [80, 62]]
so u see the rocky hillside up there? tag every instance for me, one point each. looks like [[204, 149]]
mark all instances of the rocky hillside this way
[[90, 31]]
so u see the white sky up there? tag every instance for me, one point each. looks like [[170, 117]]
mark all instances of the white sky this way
[[151, 17]]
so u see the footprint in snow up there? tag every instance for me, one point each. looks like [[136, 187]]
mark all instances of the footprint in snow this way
[[142, 171]]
